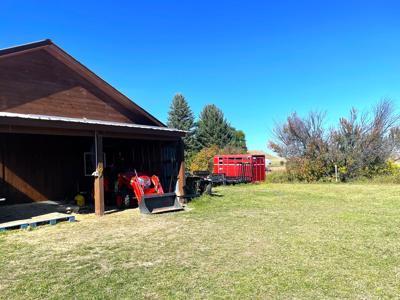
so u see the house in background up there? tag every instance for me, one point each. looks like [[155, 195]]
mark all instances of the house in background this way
[[59, 122]]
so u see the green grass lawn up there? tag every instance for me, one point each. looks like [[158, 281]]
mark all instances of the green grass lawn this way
[[254, 241]]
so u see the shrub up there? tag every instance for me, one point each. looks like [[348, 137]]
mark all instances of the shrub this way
[[378, 179], [359, 145], [203, 160], [278, 177]]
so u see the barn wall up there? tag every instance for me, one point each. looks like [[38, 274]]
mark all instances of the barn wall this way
[[38, 168], [37, 83]]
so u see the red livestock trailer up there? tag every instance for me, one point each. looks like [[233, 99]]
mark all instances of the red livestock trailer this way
[[240, 167]]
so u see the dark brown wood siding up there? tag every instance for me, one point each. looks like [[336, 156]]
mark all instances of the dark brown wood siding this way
[[38, 167], [37, 83]]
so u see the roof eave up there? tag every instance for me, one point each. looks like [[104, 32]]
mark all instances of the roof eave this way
[[7, 118]]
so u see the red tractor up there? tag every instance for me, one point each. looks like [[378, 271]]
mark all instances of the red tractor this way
[[146, 192]]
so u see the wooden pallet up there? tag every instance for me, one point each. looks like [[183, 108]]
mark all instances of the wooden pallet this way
[[49, 219]]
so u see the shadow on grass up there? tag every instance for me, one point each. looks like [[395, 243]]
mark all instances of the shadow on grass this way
[[213, 194]]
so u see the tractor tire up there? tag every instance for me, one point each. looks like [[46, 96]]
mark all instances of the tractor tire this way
[[126, 199]]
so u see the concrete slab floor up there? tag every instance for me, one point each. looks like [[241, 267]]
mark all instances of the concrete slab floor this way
[[15, 212]]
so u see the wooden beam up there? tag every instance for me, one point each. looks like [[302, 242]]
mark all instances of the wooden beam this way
[[3, 144], [88, 133], [25, 48], [181, 174], [17, 125], [99, 179]]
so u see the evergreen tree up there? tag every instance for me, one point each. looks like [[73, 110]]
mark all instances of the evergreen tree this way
[[239, 140], [180, 116], [213, 129]]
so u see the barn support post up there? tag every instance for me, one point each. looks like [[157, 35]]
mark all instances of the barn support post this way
[[2, 166], [99, 180], [181, 174]]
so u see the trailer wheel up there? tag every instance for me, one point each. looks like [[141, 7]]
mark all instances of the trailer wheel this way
[[208, 189]]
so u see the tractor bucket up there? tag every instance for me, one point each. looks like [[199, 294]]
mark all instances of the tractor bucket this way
[[159, 203]]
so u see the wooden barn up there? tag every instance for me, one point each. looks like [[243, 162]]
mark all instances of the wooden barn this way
[[60, 122]]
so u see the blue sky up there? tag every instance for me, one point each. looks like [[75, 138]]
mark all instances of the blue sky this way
[[256, 60]]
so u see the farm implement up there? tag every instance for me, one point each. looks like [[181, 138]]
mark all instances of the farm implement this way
[[146, 192]]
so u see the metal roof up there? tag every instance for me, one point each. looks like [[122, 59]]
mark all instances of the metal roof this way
[[86, 121]]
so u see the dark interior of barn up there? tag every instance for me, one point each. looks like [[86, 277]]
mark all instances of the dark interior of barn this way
[[36, 167]]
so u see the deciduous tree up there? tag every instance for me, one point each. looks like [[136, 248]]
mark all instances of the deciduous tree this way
[[203, 160], [360, 145]]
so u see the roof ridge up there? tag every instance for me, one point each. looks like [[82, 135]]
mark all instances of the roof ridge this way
[[26, 46]]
